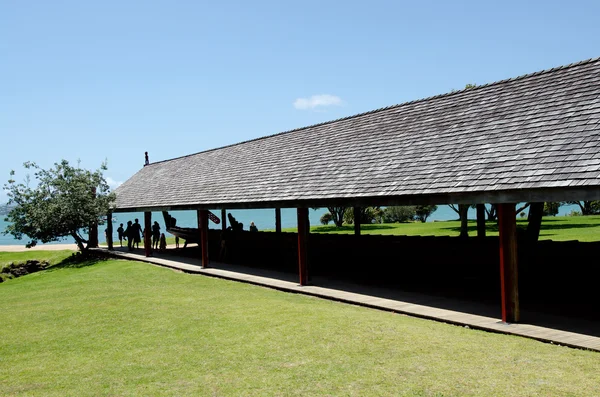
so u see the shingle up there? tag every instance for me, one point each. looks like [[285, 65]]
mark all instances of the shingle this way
[[535, 131]]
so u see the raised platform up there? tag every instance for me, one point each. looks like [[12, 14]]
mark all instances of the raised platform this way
[[578, 333]]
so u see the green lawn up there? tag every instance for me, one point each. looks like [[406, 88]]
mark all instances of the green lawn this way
[[132, 329], [560, 228]]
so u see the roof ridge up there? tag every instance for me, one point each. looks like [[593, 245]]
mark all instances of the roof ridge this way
[[446, 94]]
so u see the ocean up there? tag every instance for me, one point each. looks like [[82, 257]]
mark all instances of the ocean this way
[[264, 219]]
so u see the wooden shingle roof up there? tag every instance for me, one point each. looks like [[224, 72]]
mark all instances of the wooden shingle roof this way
[[531, 138]]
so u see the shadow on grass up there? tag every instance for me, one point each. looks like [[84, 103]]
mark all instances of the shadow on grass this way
[[348, 228], [78, 260]]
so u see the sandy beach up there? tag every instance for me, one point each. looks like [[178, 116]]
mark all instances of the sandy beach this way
[[41, 247]]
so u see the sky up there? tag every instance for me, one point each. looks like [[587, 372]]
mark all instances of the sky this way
[[94, 81]]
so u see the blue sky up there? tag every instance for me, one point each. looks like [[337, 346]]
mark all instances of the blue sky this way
[[112, 79]]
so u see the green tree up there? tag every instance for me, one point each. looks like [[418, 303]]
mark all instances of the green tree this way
[[422, 212], [337, 215], [587, 207], [325, 218], [399, 213], [368, 215], [65, 202], [462, 211], [551, 209]]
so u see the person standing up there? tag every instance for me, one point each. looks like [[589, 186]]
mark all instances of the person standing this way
[[129, 233], [137, 230], [155, 235], [120, 232], [253, 227], [163, 242]]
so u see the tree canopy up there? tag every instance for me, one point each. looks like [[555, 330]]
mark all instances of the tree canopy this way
[[65, 202]]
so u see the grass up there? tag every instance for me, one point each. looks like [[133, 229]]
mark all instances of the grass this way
[[560, 228], [127, 328]]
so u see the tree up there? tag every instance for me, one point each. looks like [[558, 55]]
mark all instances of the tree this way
[[399, 213], [325, 218], [551, 209], [587, 207], [492, 212], [65, 202], [462, 210], [422, 212], [368, 215], [337, 215]]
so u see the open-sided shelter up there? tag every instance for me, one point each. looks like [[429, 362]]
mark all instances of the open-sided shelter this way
[[533, 138]]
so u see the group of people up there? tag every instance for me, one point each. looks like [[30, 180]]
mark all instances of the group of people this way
[[134, 233]]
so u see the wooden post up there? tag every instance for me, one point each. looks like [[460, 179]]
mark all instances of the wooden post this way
[[357, 221], [148, 233], [303, 232], [481, 220], [277, 220], [109, 231], [203, 229], [223, 219], [509, 281], [93, 236]]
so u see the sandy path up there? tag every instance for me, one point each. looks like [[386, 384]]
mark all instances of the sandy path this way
[[41, 247]]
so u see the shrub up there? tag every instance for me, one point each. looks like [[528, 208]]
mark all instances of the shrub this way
[[326, 218]]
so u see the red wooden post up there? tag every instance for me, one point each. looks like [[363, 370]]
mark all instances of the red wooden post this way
[[277, 220], [223, 219], [203, 228], [109, 231], [303, 232], [148, 233], [509, 281], [356, 221], [481, 220]]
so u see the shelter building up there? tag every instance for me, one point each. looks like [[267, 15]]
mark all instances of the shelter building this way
[[533, 138]]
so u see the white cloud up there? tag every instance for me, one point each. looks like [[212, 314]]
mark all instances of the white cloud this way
[[112, 183], [316, 101]]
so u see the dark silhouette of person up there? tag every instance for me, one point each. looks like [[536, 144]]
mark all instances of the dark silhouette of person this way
[[129, 233], [163, 242], [120, 233], [253, 227], [146, 160], [155, 235], [137, 230], [176, 241]]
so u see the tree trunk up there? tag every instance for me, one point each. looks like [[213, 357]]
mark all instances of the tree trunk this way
[[463, 210], [79, 242], [337, 215], [536, 210], [492, 213]]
